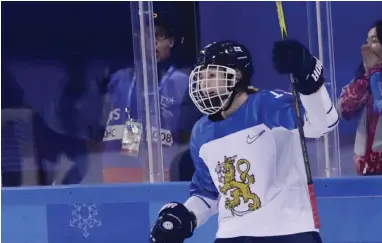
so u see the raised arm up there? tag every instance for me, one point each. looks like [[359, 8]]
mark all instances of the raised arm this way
[[320, 117], [319, 114]]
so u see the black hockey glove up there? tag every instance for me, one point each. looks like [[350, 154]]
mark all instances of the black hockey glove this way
[[175, 223], [290, 56]]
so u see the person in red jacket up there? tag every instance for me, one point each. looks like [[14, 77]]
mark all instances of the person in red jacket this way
[[362, 99]]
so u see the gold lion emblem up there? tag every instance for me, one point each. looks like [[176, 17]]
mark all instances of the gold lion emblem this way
[[238, 189]]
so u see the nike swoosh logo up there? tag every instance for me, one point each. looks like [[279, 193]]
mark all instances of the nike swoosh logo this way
[[252, 139]]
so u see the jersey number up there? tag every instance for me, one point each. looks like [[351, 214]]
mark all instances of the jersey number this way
[[280, 94]]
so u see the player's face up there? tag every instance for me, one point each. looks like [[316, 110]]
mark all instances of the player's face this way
[[211, 86], [212, 81], [373, 42], [163, 44]]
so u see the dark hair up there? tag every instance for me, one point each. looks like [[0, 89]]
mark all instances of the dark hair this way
[[169, 18], [378, 27], [360, 72]]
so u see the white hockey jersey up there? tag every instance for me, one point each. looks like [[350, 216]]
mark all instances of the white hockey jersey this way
[[249, 167]]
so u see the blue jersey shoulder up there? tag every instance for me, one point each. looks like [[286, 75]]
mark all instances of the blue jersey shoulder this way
[[202, 131], [278, 109], [275, 97]]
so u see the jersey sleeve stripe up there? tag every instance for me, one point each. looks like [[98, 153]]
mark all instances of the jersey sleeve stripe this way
[[334, 124], [209, 206], [331, 108]]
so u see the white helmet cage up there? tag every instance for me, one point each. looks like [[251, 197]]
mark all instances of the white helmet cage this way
[[211, 86]]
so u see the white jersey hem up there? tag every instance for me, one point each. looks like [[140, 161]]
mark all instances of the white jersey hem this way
[[242, 227]]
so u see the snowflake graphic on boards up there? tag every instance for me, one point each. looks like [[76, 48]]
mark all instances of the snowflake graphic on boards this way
[[84, 217]]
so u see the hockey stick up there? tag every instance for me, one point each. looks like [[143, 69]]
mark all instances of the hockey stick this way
[[300, 125]]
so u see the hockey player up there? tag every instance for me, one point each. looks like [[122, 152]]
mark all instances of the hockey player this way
[[246, 150]]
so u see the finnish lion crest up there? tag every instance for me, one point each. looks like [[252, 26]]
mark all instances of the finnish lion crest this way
[[226, 171]]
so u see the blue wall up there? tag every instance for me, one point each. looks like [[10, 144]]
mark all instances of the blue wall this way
[[350, 210]]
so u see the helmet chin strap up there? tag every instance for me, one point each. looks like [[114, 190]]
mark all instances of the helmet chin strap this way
[[240, 87]]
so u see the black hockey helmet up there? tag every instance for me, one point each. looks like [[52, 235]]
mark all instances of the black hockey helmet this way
[[222, 70]]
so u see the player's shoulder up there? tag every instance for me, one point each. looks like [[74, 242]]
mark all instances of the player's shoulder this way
[[266, 95], [202, 131], [275, 96], [202, 125], [267, 100]]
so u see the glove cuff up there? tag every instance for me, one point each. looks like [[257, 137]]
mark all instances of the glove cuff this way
[[186, 216], [311, 78]]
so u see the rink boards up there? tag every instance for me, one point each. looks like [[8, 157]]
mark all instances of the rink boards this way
[[350, 210]]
